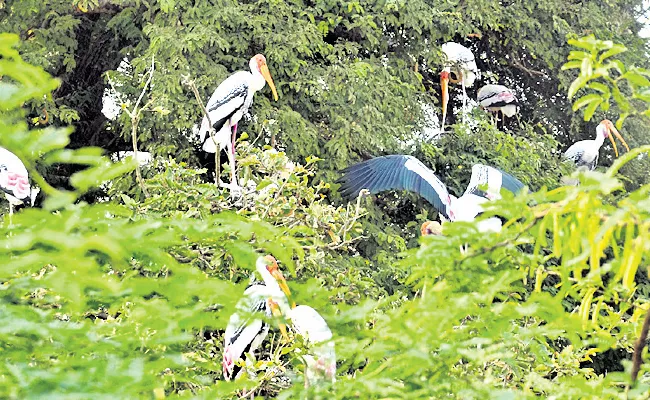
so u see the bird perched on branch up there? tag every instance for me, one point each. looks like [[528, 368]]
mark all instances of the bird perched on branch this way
[[247, 328], [14, 181], [498, 98], [460, 62], [228, 104], [402, 172], [585, 152]]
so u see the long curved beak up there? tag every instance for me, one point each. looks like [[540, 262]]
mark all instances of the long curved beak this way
[[264, 69], [283, 285], [275, 310], [444, 86], [613, 131]]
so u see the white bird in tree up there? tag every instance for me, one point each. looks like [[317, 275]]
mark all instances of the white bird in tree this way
[[402, 172], [246, 331], [498, 98], [321, 361], [14, 181], [228, 104], [585, 152], [460, 62]]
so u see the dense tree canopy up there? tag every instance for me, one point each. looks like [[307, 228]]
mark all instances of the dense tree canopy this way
[[111, 291]]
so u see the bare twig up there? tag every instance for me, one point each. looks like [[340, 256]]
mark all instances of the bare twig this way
[[517, 63], [217, 153], [637, 360], [135, 115]]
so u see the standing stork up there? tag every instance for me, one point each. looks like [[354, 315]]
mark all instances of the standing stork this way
[[585, 152], [460, 62], [228, 104], [497, 98], [14, 181], [246, 332], [402, 172], [321, 362]]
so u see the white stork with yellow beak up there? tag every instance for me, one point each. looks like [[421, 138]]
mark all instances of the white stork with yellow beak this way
[[246, 332], [460, 62], [585, 152], [14, 181], [227, 106]]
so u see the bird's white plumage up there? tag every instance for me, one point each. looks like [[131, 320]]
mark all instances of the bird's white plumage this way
[[321, 362], [461, 60], [585, 152], [14, 179], [483, 174], [498, 98], [244, 329]]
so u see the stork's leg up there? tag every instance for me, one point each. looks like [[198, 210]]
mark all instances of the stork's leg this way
[[11, 214], [462, 83]]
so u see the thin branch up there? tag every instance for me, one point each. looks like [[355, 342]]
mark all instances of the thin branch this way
[[190, 82], [135, 115], [637, 360], [517, 63]]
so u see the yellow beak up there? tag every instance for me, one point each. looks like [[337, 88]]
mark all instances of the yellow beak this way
[[264, 69], [275, 310], [283, 285], [614, 132], [444, 86]]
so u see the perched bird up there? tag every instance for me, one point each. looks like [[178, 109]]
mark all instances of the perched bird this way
[[246, 332], [321, 360], [585, 152], [460, 62], [497, 98], [402, 172], [228, 104], [14, 181]]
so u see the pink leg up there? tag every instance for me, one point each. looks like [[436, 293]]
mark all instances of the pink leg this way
[[234, 137]]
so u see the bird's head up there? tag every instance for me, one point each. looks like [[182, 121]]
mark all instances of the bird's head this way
[[258, 63], [431, 228], [607, 129], [274, 270]]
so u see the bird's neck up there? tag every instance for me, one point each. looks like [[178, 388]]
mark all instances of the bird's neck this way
[[258, 81], [600, 139]]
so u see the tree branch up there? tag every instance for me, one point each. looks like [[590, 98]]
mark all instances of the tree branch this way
[[637, 360], [217, 172]]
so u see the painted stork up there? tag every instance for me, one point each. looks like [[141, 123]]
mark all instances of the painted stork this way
[[460, 62], [246, 332], [14, 181], [228, 104], [321, 362], [402, 172], [497, 98], [585, 152]]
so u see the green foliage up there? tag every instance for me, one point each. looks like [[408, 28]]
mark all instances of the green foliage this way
[[607, 78], [128, 296]]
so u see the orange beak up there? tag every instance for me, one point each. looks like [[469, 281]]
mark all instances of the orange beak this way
[[264, 69], [614, 132], [444, 87]]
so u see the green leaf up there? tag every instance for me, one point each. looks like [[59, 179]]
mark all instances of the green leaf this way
[[584, 100]]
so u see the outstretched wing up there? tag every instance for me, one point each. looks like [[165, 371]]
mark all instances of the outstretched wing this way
[[495, 179], [395, 172]]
